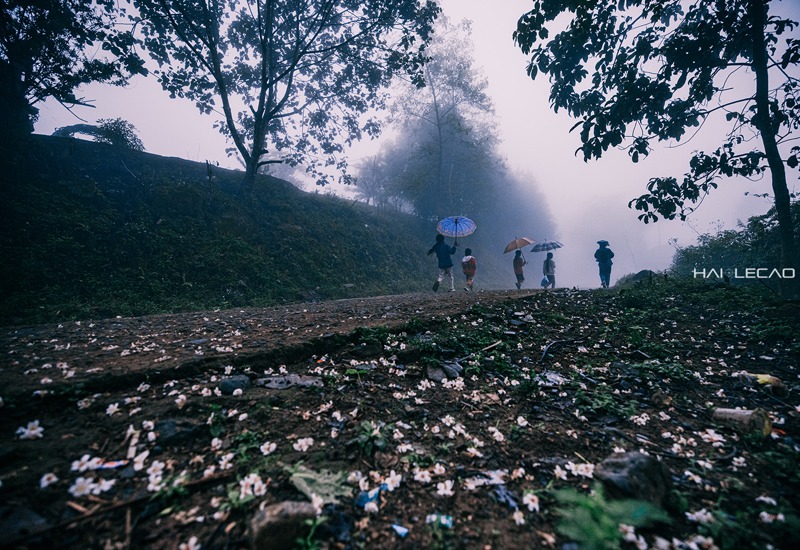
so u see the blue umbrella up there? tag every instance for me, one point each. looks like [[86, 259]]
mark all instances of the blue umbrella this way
[[544, 246], [456, 226]]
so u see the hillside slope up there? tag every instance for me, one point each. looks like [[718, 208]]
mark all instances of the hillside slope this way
[[89, 230]]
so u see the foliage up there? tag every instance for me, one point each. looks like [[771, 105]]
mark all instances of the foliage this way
[[371, 437], [754, 244], [291, 76], [639, 72], [328, 486], [444, 158], [450, 121], [594, 521], [600, 400], [119, 133], [86, 238], [308, 542], [49, 48]]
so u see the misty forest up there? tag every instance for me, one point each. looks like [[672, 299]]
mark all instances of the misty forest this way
[[366, 327]]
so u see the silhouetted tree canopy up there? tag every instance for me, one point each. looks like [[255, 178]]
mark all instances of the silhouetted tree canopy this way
[[292, 79], [634, 72], [49, 48]]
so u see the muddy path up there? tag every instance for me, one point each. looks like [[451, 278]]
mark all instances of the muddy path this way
[[178, 431], [120, 352]]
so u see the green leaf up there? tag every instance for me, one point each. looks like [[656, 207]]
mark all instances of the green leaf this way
[[327, 485]]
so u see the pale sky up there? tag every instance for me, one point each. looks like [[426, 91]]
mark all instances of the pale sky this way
[[588, 201]]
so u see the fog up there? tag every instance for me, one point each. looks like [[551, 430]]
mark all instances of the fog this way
[[587, 201]]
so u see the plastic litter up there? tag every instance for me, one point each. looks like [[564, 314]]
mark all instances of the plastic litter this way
[[113, 464], [370, 496], [400, 530], [504, 496], [755, 421]]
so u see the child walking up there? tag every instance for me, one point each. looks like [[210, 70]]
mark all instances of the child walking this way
[[445, 263], [470, 267]]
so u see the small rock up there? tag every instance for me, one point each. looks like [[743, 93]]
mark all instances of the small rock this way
[[177, 432], [452, 370], [661, 399], [635, 475], [238, 382], [436, 374], [278, 526], [17, 522]]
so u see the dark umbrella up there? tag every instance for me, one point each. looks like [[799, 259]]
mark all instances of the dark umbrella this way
[[545, 245]]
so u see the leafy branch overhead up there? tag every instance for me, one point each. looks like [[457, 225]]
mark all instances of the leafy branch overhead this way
[[49, 48], [292, 80], [637, 72]]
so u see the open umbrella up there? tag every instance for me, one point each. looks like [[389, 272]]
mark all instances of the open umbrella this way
[[456, 226], [518, 244], [546, 245]]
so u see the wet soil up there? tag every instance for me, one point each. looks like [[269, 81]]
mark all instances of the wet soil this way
[[136, 445]]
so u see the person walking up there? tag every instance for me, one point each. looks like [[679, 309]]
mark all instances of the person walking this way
[[603, 256], [549, 270], [519, 263], [469, 266], [443, 253]]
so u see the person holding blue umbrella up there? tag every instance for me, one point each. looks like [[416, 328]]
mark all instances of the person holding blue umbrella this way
[[443, 253], [452, 226]]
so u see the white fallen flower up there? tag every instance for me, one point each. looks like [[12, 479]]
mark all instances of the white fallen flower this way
[[103, 486], [701, 516], [317, 503], [47, 479], [371, 507], [393, 481], [32, 431], [445, 488], [138, 461], [156, 469], [767, 500], [423, 476], [268, 448], [303, 444], [82, 487], [192, 544], [531, 501], [226, 462]]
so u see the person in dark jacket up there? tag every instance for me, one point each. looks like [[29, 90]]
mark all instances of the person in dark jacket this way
[[518, 264], [603, 256], [443, 253]]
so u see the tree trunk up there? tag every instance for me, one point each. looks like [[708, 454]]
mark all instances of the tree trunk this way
[[758, 11], [249, 181]]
